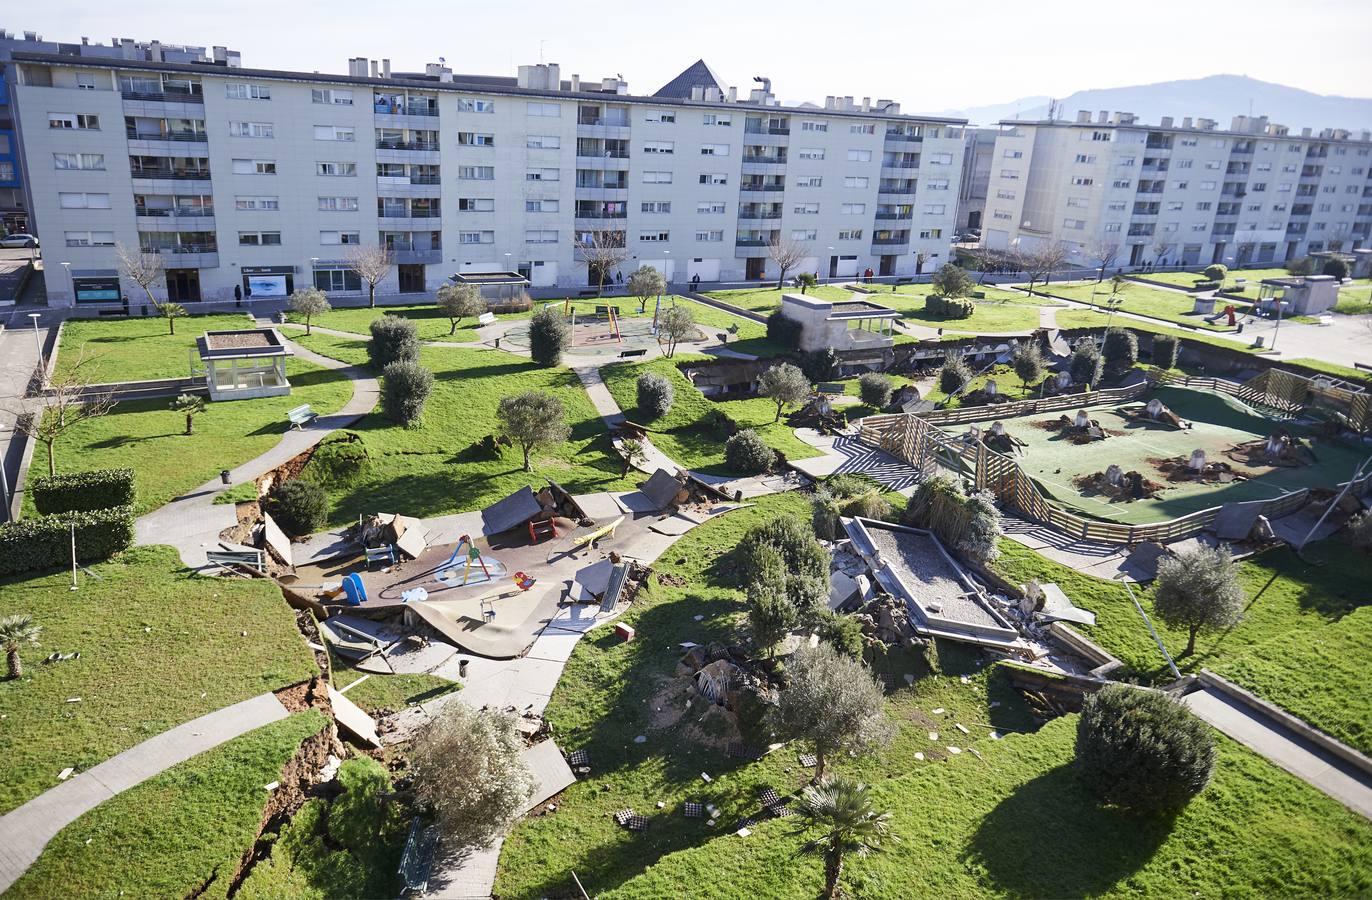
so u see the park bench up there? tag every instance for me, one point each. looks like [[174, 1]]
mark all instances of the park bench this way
[[591, 292], [829, 387], [302, 416], [486, 318], [417, 858], [641, 351], [384, 555]]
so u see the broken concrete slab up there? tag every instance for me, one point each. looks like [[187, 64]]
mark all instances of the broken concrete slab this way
[[595, 577], [352, 719], [408, 658], [662, 488], [601, 507], [1235, 521], [511, 512], [277, 542], [674, 526], [635, 503], [842, 588]]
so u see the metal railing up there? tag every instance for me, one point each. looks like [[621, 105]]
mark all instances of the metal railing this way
[[198, 136], [198, 175]]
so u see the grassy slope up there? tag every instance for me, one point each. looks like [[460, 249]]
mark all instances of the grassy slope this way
[[170, 835], [679, 435], [1001, 311], [766, 299], [1355, 300], [146, 436], [1139, 299], [1020, 823], [159, 646], [608, 693], [137, 349]]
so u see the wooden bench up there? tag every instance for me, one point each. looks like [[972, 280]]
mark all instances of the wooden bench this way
[[486, 318], [302, 416], [641, 351]]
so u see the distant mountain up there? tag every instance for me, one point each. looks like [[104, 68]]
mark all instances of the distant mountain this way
[[1218, 97]]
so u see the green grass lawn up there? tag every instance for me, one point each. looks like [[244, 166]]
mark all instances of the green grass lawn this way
[[1139, 299], [765, 300], [1007, 385], [435, 468], [159, 646], [178, 834], [1355, 300], [681, 435], [148, 437], [610, 692], [136, 349], [1019, 823]]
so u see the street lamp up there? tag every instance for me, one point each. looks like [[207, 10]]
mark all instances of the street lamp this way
[[38, 343], [70, 280]]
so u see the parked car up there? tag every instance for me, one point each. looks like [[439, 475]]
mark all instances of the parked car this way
[[18, 240]]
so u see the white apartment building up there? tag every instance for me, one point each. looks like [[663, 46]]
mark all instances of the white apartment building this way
[[261, 178], [1188, 194]]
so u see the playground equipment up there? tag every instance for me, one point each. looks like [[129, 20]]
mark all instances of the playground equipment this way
[[603, 531], [470, 558], [603, 313]]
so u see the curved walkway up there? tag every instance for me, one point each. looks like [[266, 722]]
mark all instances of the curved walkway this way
[[25, 831]]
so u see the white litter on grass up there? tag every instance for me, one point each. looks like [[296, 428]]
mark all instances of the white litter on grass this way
[[660, 804], [73, 699], [961, 727], [919, 756], [938, 711], [65, 773], [995, 703], [743, 832], [710, 822], [687, 645], [973, 751], [965, 679], [995, 735], [700, 618], [706, 778], [955, 750], [272, 786], [933, 735]]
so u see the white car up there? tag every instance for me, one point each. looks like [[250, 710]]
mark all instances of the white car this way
[[18, 240]]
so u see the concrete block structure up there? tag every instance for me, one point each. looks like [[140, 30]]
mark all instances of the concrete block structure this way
[[842, 325], [243, 364], [1300, 296]]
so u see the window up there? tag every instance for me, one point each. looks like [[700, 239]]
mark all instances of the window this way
[[476, 237], [85, 81], [1010, 174], [1212, 164], [259, 238], [1014, 154], [663, 147], [856, 181], [862, 129], [1122, 183], [852, 209], [1075, 224], [814, 126], [710, 236], [332, 96], [661, 178], [336, 279], [854, 234], [1002, 214], [242, 90], [1098, 136], [1219, 143], [1198, 226], [476, 204], [1207, 185], [940, 159], [254, 129], [653, 236], [476, 173], [1258, 187], [338, 204], [1284, 187], [540, 206], [1126, 161], [1175, 205], [656, 206], [661, 116], [475, 139], [1083, 182], [806, 209], [83, 201], [710, 208], [82, 121], [541, 236], [805, 234], [935, 209], [1085, 158], [543, 175], [1188, 142], [1184, 163], [1003, 194], [1267, 167], [546, 110], [810, 153], [90, 238], [717, 119], [859, 156], [258, 203], [1112, 227], [91, 161], [810, 181], [1253, 207], [1077, 202], [936, 184], [341, 237], [714, 149], [257, 167], [543, 142], [929, 233], [337, 169], [1204, 206], [709, 178], [467, 104], [1115, 205]]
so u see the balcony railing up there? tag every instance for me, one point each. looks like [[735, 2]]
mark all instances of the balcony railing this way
[[902, 136], [165, 135], [766, 129], [406, 145], [172, 96], [601, 214], [156, 212], [896, 190], [425, 179], [762, 187], [181, 248], [765, 160], [750, 242], [890, 241], [905, 164], [613, 154], [399, 109], [409, 255], [896, 215], [415, 214], [601, 120], [177, 175], [758, 214]]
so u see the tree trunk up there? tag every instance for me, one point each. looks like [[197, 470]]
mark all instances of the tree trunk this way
[[15, 663], [527, 467], [190, 422], [52, 467], [1191, 641], [833, 868], [308, 326], [778, 418], [819, 764], [453, 330], [171, 325], [371, 294]]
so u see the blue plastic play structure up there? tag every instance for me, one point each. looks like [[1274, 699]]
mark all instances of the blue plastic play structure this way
[[354, 590]]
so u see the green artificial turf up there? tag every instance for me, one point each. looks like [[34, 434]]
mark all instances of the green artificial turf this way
[[148, 437], [179, 834], [159, 646], [136, 349], [1140, 299]]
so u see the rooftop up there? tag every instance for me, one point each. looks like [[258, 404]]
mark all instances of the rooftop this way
[[239, 344], [1251, 127]]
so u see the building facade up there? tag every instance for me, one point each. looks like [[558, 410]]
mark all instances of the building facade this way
[[264, 180], [1188, 194]]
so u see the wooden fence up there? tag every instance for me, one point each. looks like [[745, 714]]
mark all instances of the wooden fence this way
[[1017, 408]]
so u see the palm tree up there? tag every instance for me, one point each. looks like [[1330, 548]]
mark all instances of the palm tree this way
[[15, 632], [844, 809], [190, 404]]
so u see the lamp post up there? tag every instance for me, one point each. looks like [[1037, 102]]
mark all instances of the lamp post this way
[[70, 280], [4, 479], [37, 342]]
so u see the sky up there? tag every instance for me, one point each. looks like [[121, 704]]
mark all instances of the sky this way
[[931, 57]]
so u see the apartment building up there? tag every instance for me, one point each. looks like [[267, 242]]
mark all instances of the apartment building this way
[[262, 179], [1178, 194]]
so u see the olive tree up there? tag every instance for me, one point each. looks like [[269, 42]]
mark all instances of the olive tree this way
[[675, 324], [832, 701], [1028, 363], [371, 264], [954, 374], [1198, 590], [952, 281], [533, 419], [785, 385], [458, 301], [645, 284], [308, 303]]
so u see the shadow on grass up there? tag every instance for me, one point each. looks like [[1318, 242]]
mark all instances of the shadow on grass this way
[[1050, 838]]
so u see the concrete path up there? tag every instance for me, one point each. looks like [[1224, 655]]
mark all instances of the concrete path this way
[[844, 453], [25, 831], [18, 358], [192, 522]]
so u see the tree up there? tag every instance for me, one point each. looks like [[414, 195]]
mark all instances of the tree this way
[[787, 254], [806, 280], [309, 302], [405, 388], [1142, 750], [72, 399], [458, 301], [952, 281], [1120, 351], [675, 324], [1216, 272], [300, 506], [1305, 265], [603, 252], [785, 385], [16, 631], [1039, 262], [655, 395], [189, 405], [953, 375], [171, 312], [393, 340], [142, 268], [1198, 589], [747, 453], [469, 772], [788, 536], [1027, 362], [845, 811], [549, 335], [1160, 251], [771, 615], [1336, 267], [1086, 363], [645, 284], [833, 702], [533, 419], [1118, 284], [372, 263], [1104, 253], [874, 389]]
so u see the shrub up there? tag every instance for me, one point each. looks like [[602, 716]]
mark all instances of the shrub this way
[[533, 419], [934, 305], [981, 539], [843, 633], [96, 489], [1216, 272], [655, 395], [784, 331], [1142, 750], [809, 594], [393, 340], [820, 365], [1165, 348], [958, 308], [44, 542], [1360, 531], [868, 506], [824, 515], [1302, 266], [1201, 286], [954, 374], [1028, 362], [787, 536], [875, 389], [1336, 267], [549, 335], [770, 615], [747, 453], [1086, 363], [850, 484], [405, 387], [1121, 351], [969, 524], [299, 506]]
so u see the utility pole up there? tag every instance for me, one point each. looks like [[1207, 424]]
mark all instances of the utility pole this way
[[1176, 673]]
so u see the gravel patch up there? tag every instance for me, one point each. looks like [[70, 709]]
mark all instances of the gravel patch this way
[[919, 563]]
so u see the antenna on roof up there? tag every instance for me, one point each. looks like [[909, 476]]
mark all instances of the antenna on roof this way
[[540, 52]]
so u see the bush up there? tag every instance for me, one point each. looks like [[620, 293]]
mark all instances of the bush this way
[[1336, 267], [933, 305], [1086, 363], [824, 515], [875, 390], [1165, 348], [299, 506], [981, 540], [405, 387], [655, 395], [784, 331], [958, 308], [44, 542], [549, 335], [747, 453], [96, 489], [952, 281], [1121, 351], [393, 340], [787, 536], [953, 375], [1142, 750], [717, 421], [850, 484], [1303, 266], [843, 633], [820, 365], [868, 506], [1216, 272], [1201, 286], [1360, 531]]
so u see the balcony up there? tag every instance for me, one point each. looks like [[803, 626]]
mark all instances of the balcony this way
[[765, 129], [902, 136], [890, 241], [406, 145], [165, 95], [408, 255], [895, 215], [750, 242], [761, 187], [900, 164], [755, 159], [195, 136], [600, 214], [173, 174], [402, 109]]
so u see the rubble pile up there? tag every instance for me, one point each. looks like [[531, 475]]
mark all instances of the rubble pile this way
[[819, 413], [1082, 429], [1117, 485]]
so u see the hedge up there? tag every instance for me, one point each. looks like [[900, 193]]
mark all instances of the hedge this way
[[44, 542], [784, 331], [949, 307], [96, 489]]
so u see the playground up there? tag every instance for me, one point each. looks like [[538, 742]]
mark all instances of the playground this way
[[1219, 425], [600, 327]]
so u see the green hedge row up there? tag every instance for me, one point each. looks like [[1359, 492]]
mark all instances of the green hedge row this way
[[96, 489], [949, 307], [44, 542]]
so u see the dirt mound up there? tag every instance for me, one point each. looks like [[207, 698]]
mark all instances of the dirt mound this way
[[1131, 486]]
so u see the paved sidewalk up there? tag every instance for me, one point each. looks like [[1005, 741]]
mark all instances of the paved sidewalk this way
[[24, 832], [18, 358]]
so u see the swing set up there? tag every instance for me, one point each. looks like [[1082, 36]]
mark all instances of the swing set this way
[[603, 313]]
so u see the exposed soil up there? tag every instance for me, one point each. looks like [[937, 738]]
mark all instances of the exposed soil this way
[[1068, 429], [1096, 484], [1178, 469], [1253, 455]]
